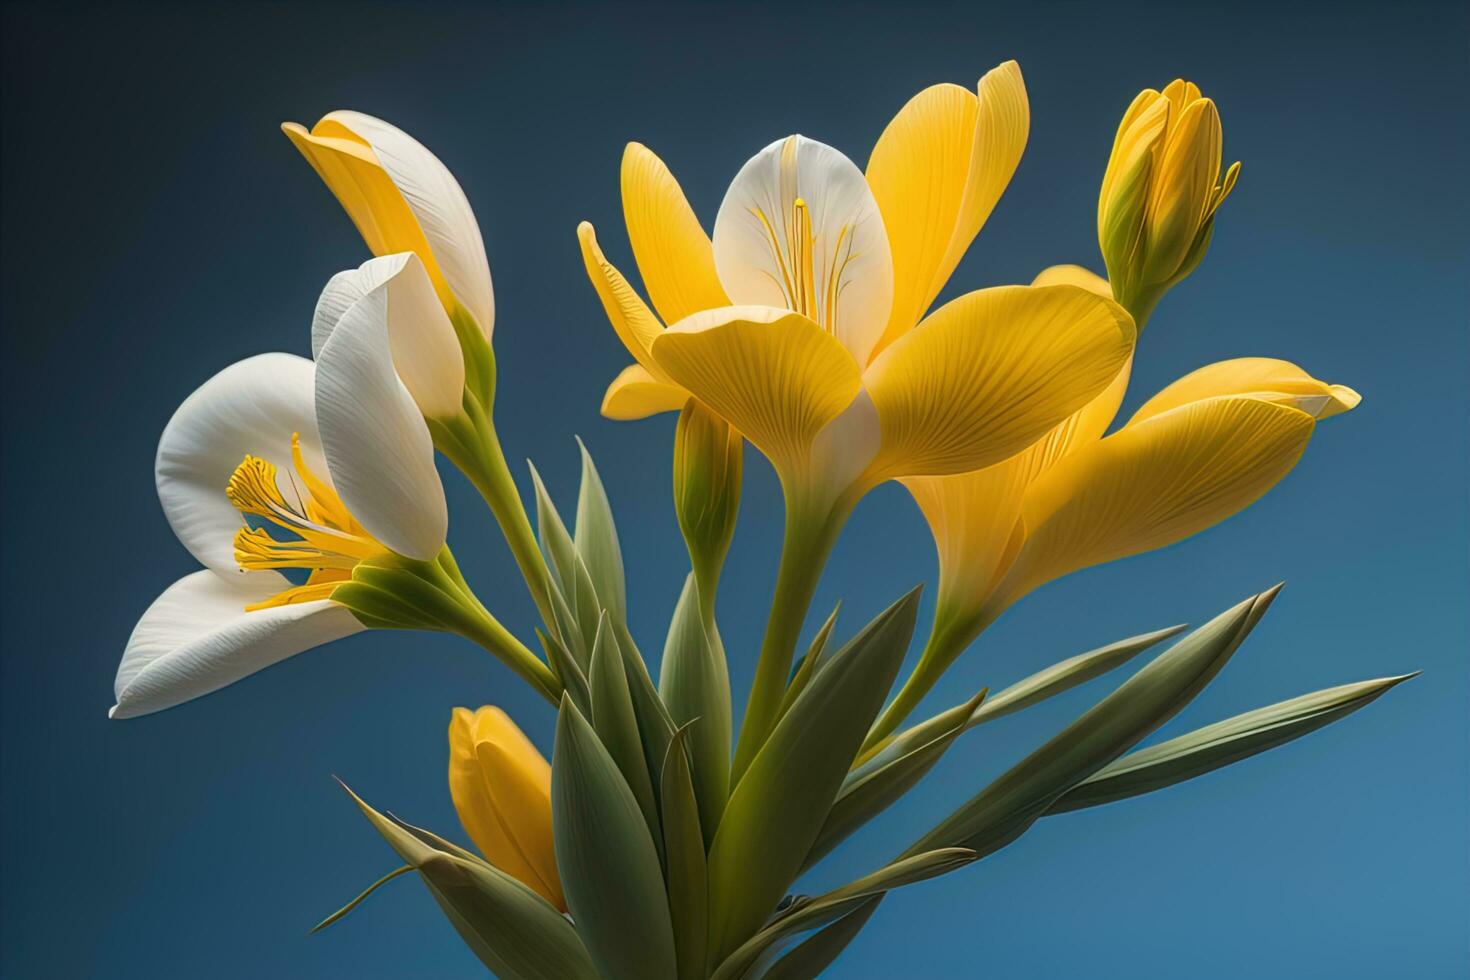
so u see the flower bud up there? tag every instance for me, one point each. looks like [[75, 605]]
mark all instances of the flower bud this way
[[707, 474], [502, 790], [1156, 211]]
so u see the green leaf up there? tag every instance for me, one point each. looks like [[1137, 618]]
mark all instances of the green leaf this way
[[555, 541], [779, 806], [344, 910], [807, 961], [617, 726], [686, 874], [864, 797], [805, 915], [586, 605], [566, 668], [513, 931], [809, 663], [694, 683], [1024, 693], [1007, 807], [1214, 746], [607, 860], [568, 628], [655, 725], [597, 540]]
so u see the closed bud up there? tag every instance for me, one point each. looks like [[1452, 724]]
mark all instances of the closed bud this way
[[502, 790], [707, 474], [1163, 185]]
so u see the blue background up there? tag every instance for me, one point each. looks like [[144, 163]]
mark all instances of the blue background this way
[[157, 226]]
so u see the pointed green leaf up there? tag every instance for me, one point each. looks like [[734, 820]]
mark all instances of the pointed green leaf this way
[[655, 725], [513, 931], [1007, 807], [685, 874], [694, 683], [804, 916], [809, 663], [567, 670], [1209, 748], [866, 796], [807, 961], [344, 910], [609, 866], [555, 541], [597, 540], [586, 605], [617, 726], [568, 628], [779, 806]]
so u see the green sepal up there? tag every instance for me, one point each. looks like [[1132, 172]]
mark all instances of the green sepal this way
[[778, 808], [1214, 746], [607, 860], [1007, 807]]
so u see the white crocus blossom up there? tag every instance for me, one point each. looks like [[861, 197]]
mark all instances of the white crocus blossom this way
[[278, 464]]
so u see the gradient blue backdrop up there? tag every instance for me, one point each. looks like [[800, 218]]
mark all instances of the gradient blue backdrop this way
[[157, 226]]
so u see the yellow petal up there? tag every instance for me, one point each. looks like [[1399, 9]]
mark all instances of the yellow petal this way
[[988, 374], [634, 322], [1153, 483], [674, 254], [352, 173], [1074, 275], [774, 375], [501, 787], [636, 394], [937, 172], [1261, 377]]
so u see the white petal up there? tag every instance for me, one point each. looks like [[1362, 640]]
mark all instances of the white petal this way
[[426, 352], [378, 448], [251, 407], [439, 204], [197, 638], [754, 257]]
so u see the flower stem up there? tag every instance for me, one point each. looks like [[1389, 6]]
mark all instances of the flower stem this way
[[810, 534]]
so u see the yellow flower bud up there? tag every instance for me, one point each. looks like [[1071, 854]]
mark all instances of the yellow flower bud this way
[[502, 790], [1160, 193], [707, 473]]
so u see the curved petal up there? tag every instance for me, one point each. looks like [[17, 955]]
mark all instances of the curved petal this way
[[774, 375], [250, 408], [197, 638], [1074, 275], [631, 319], [637, 394], [674, 255], [438, 204], [426, 352], [377, 446], [988, 374], [1154, 483], [799, 229], [937, 172], [1261, 377]]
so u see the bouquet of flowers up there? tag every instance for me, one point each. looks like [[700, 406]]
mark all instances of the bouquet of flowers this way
[[658, 842]]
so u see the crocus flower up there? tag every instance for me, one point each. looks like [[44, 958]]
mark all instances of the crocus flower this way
[[502, 791]]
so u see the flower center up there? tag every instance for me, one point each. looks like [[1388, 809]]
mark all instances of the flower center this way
[[321, 535]]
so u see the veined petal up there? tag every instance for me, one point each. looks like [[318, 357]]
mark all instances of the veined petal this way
[[1153, 483], [1074, 275], [937, 172], [774, 375], [799, 229], [438, 204], [988, 374], [426, 352], [251, 408], [197, 638], [636, 394], [1262, 377], [674, 255], [377, 445], [631, 319]]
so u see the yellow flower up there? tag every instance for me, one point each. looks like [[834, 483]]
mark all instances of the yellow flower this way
[[1156, 211], [1204, 448], [502, 790], [802, 321]]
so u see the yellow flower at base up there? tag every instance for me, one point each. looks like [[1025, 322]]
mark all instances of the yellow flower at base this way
[[502, 791]]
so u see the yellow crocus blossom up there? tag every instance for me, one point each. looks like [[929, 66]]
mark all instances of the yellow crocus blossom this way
[[502, 791]]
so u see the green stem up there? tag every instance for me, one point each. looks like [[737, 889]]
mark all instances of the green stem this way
[[810, 534]]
